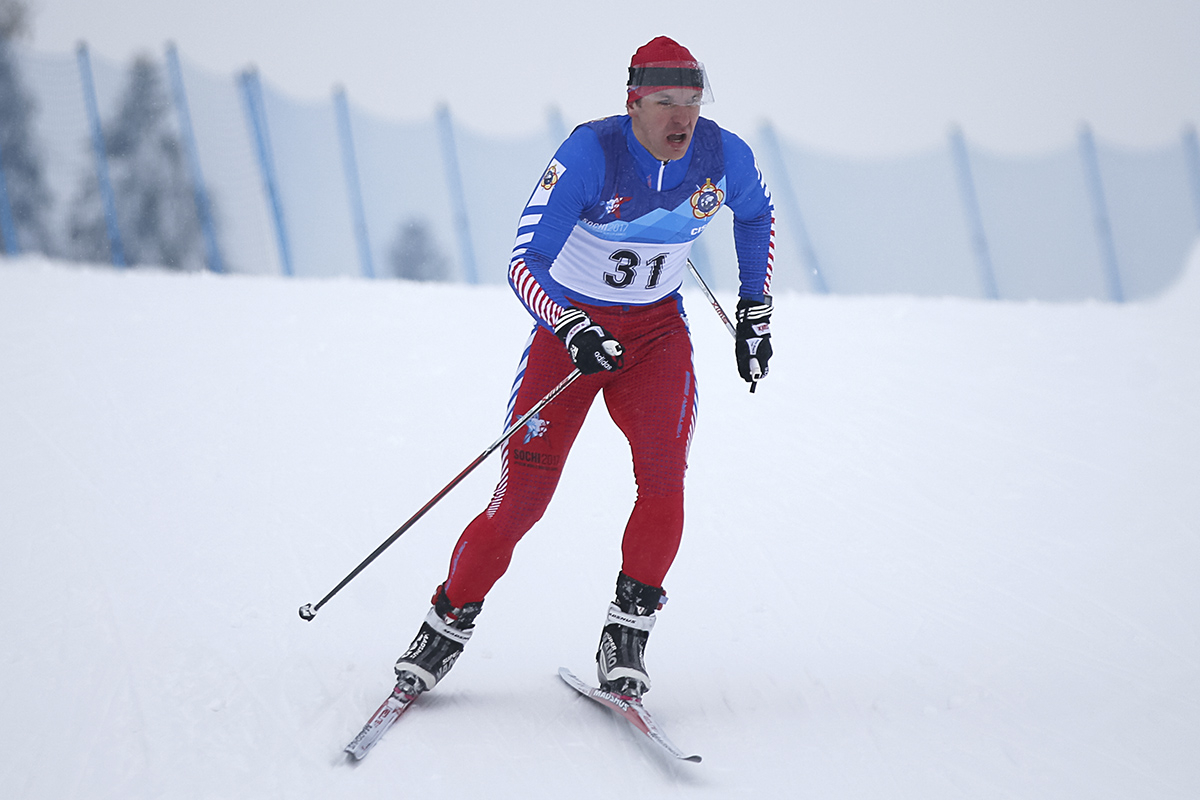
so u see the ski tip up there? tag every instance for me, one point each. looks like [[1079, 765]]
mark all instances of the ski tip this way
[[570, 678], [356, 750]]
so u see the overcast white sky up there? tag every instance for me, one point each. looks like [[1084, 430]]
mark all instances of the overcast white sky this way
[[862, 77]]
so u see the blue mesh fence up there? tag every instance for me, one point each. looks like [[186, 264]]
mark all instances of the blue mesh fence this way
[[883, 226], [226, 154], [1038, 223], [1152, 221], [434, 200], [404, 191]]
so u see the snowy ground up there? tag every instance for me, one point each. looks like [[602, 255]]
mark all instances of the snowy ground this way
[[949, 550]]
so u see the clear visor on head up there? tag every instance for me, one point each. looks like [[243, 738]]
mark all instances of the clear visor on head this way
[[685, 84]]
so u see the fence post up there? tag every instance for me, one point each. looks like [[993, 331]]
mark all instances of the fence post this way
[[192, 153], [115, 248], [558, 128], [783, 191], [1104, 237], [256, 115], [973, 214], [8, 226], [353, 186], [1191, 154], [458, 196]]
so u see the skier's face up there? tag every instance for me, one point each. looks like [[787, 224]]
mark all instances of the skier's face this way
[[664, 121]]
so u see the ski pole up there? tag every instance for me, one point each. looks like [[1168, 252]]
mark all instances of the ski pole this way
[[309, 610], [717, 306]]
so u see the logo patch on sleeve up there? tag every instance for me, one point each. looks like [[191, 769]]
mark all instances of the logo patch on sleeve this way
[[549, 179]]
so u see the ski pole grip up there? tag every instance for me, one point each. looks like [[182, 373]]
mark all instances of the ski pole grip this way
[[307, 612]]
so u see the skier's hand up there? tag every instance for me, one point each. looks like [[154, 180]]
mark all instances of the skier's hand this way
[[753, 340], [592, 348]]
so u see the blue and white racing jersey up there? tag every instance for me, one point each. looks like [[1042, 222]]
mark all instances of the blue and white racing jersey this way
[[609, 224]]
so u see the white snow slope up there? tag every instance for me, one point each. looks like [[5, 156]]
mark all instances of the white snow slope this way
[[949, 549]]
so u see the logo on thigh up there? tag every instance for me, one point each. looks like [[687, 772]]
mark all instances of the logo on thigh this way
[[535, 428]]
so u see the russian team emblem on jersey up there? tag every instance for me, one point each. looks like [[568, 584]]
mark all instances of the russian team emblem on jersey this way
[[549, 179], [706, 200]]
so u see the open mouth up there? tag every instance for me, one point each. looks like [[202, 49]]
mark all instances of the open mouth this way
[[677, 138]]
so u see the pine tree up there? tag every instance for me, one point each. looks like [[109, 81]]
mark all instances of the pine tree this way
[[414, 254], [28, 198], [156, 209]]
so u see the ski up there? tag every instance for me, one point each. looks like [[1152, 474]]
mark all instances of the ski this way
[[384, 717], [631, 709]]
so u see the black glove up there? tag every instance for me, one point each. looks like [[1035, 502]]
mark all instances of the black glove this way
[[753, 345], [592, 348]]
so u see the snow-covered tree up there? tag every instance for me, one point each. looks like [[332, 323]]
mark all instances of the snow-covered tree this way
[[14, 18], [28, 198], [415, 254], [156, 208]]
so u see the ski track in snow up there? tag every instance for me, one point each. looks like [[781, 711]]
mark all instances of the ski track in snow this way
[[947, 550]]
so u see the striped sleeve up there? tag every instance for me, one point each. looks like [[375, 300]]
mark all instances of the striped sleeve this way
[[754, 241], [753, 218], [572, 182], [535, 298]]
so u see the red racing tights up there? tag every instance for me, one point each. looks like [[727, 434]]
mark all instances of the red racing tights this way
[[652, 399]]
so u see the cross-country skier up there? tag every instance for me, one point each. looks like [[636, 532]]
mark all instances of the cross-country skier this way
[[600, 255]]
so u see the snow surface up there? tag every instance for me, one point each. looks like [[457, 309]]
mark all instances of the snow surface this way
[[949, 549]]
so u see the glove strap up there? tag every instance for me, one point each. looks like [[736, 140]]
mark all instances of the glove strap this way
[[754, 318], [569, 323]]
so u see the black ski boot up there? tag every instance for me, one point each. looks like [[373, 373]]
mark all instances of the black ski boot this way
[[620, 662], [438, 645]]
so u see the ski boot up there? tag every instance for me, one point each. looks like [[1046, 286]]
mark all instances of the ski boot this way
[[438, 644], [620, 659]]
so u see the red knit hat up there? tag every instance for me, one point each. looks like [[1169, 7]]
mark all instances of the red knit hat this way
[[663, 63]]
